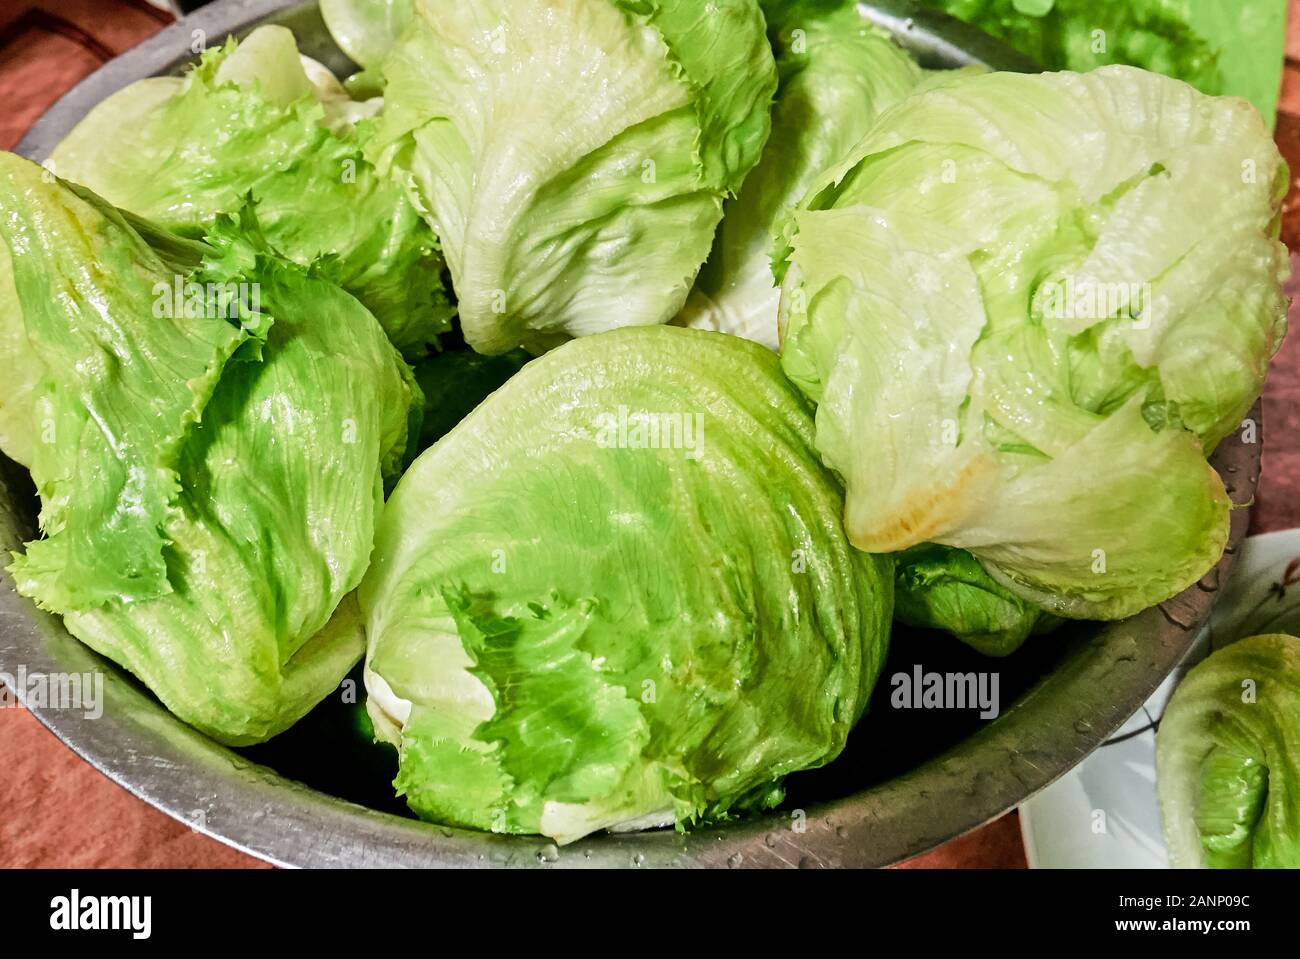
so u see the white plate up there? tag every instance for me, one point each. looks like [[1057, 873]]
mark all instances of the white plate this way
[[1103, 813]]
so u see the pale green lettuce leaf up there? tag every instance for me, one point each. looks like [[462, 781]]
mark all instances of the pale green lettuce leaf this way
[[1022, 298], [267, 61], [20, 375], [249, 119], [1228, 759], [837, 73], [575, 184], [210, 468], [110, 390], [575, 623], [366, 29]]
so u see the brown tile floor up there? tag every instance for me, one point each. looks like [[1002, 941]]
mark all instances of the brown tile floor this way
[[55, 810]]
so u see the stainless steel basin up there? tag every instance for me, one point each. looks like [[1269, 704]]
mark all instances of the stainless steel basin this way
[[903, 786]]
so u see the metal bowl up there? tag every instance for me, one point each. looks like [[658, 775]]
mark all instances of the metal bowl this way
[[905, 784]]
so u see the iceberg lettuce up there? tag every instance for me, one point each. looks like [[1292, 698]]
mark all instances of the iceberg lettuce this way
[[210, 448], [618, 594], [1028, 308], [938, 587], [837, 73], [573, 156], [1228, 759]]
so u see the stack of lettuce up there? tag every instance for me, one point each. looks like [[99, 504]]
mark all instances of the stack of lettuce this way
[[653, 573]]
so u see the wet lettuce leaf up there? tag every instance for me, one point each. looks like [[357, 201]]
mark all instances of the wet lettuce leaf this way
[[938, 587], [1228, 759], [210, 449], [837, 73]]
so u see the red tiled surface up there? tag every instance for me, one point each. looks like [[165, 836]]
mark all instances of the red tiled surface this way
[[56, 810]]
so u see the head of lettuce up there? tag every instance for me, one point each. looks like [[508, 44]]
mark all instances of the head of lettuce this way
[[1028, 307], [573, 156], [209, 427], [1228, 758], [618, 595]]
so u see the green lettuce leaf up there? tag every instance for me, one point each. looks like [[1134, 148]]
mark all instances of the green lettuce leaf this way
[[618, 594], [110, 393], [937, 587], [837, 73], [1233, 48], [1021, 298], [575, 185], [1228, 759], [250, 118], [21, 377], [366, 29], [209, 448]]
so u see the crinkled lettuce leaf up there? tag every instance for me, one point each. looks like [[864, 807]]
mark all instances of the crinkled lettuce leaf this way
[[250, 118], [575, 183], [619, 594], [210, 463], [1228, 759], [1232, 47], [938, 587], [837, 73], [111, 390], [1028, 307]]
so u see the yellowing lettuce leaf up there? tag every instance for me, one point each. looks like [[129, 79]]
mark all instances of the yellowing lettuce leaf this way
[[1028, 306]]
